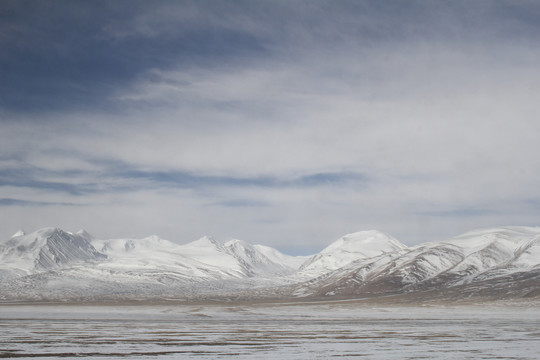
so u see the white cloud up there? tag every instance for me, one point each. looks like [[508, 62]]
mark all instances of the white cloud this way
[[440, 129]]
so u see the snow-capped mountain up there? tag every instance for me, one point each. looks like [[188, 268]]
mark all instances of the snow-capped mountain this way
[[153, 254], [259, 260], [293, 262], [54, 264], [205, 258], [54, 261], [349, 248], [45, 249], [474, 257]]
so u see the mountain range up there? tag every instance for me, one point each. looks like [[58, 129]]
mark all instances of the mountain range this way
[[55, 265]]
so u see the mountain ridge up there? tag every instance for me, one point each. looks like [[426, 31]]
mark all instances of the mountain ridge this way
[[51, 263]]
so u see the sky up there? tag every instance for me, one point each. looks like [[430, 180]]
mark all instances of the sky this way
[[284, 123]]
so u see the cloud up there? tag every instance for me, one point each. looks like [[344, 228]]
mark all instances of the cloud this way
[[240, 203], [19, 202], [466, 212], [276, 122], [107, 44]]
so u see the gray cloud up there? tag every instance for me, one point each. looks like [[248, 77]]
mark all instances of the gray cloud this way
[[295, 121], [241, 203], [19, 202], [466, 212]]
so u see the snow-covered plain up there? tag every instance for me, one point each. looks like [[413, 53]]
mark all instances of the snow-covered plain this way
[[269, 331]]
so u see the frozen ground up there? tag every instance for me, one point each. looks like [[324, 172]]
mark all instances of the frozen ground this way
[[271, 331]]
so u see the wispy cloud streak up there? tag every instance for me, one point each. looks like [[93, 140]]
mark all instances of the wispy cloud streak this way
[[19, 202]]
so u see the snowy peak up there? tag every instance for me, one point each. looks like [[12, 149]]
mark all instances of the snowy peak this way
[[116, 247], [206, 243], [63, 248], [254, 261], [84, 234], [247, 256], [205, 257], [509, 248], [235, 242], [474, 255], [513, 233], [293, 262], [47, 248], [18, 233], [367, 243], [211, 252], [153, 256], [241, 249], [349, 248]]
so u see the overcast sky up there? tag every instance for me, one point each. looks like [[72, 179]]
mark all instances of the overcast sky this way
[[286, 123]]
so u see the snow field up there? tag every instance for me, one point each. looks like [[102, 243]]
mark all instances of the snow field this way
[[299, 331]]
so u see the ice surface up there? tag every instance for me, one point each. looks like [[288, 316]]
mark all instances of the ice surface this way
[[269, 331]]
